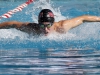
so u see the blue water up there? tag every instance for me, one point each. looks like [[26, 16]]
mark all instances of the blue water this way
[[74, 53]]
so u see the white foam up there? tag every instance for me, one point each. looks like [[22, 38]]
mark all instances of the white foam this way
[[12, 34]]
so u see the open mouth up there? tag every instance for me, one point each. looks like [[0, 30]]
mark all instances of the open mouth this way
[[46, 33]]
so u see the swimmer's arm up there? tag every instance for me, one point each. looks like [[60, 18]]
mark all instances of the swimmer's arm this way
[[68, 24], [11, 23]]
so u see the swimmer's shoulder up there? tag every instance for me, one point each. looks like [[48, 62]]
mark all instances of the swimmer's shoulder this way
[[59, 23]]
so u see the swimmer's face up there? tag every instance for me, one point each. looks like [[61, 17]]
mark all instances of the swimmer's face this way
[[45, 27]]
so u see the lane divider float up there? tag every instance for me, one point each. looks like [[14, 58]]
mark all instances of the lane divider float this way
[[19, 8]]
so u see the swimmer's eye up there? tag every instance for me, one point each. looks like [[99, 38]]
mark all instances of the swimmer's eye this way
[[48, 26], [42, 26], [45, 25]]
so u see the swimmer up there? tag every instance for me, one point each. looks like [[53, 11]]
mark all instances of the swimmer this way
[[46, 23]]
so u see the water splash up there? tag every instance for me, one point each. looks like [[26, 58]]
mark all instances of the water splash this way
[[12, 34], [42, 4], [85, 31]]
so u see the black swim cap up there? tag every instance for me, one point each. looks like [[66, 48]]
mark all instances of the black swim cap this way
[[46, 15]]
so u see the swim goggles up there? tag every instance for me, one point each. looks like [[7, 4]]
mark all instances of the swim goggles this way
[[43, 26]]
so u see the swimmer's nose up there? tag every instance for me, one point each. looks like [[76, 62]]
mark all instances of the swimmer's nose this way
[[47, 30]]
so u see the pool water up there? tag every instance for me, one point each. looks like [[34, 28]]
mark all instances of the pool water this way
[[74, 53]]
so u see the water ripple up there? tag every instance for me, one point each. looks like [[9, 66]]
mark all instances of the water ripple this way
[[58, 62]]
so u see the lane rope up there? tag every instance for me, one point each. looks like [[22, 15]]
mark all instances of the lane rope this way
[[19, 8]]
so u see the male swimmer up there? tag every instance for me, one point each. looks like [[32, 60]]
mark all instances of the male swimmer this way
[[46, 23]]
